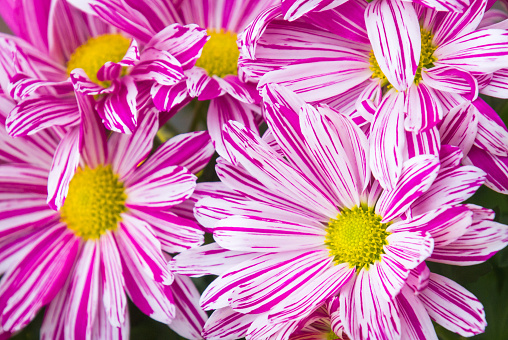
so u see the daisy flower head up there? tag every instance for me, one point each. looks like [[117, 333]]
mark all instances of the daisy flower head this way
[[108, 62], [392, 60], [110, 237], [304, 221], [209, 64]]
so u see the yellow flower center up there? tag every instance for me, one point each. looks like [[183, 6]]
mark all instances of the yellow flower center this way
[[332, 336], [220, 54], [93, 54], [95, 200], [427, 60], [356, 237]]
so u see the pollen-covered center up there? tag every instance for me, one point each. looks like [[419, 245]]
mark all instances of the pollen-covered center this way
[[93, 54], [427, 60], [95, 200], [220, 54], [356, 237]]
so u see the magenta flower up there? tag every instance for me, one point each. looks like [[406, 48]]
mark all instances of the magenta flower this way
[[108, 238], [111, 63], [388, 63], [212, 73], [305, 221]]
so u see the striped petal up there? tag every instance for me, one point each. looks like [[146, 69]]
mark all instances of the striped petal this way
[[416, 177], [210, 259], [481, 241], [158, 66], [423, 110], [118, 109], [480, 51], [459, 127], [227, 324], [137, 241], [221, 110], [394, 32], [65, 163], [126, 152], [387, 140], [294, 9], [272, 171], [445, 5], [340, 148], [37, 113], [113, 283], [451, 186], [36, 279], [189, 318], [451, 79], [498, 85], [82, 306], [415, 321], [494, 166], [453, 307]]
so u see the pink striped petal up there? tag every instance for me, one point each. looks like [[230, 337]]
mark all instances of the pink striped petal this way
[[422, 108], [258, 234], [189, 318], [416, 177], [445, 5], [210, 259], [221, 110], [36, 279], [451, 79], [82, 307], [444, 224], [65, 163], [37, 113], [118, 109], [152, 298], [294, 9], [113, 283], [340, 149], [159, 189], [200, 85], [459, 127], [226, 324], [126, 152], [453, 307], [158, 66], [498, 85], [394, 32], [93, 134], [387, 140], [269, 289], [481, 51], [165, 98], [415, 321], [366, 315], [492, 135], [136, 240], [451, 186], [481, 241], [191, 150], [175, 233], [494, 166], [456, 24], [244, 92], [272, 171]]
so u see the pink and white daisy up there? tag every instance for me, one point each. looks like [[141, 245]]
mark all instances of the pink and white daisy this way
[[110, 236], [294, 9], [112, 68], [305, 221], [214, 76], [387, 54]]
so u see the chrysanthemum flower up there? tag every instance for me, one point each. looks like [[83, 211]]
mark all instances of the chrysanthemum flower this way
[[294, 9], [390, 54], [111, 63], [109, 237], [305, 222], [214, 76]]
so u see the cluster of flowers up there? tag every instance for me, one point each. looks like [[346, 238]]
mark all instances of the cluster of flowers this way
[[372, 137]]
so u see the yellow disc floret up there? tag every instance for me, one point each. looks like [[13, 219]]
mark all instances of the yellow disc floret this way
[[95, 200], [96, 52], [356, 237], [220, 54], [427, 60]]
